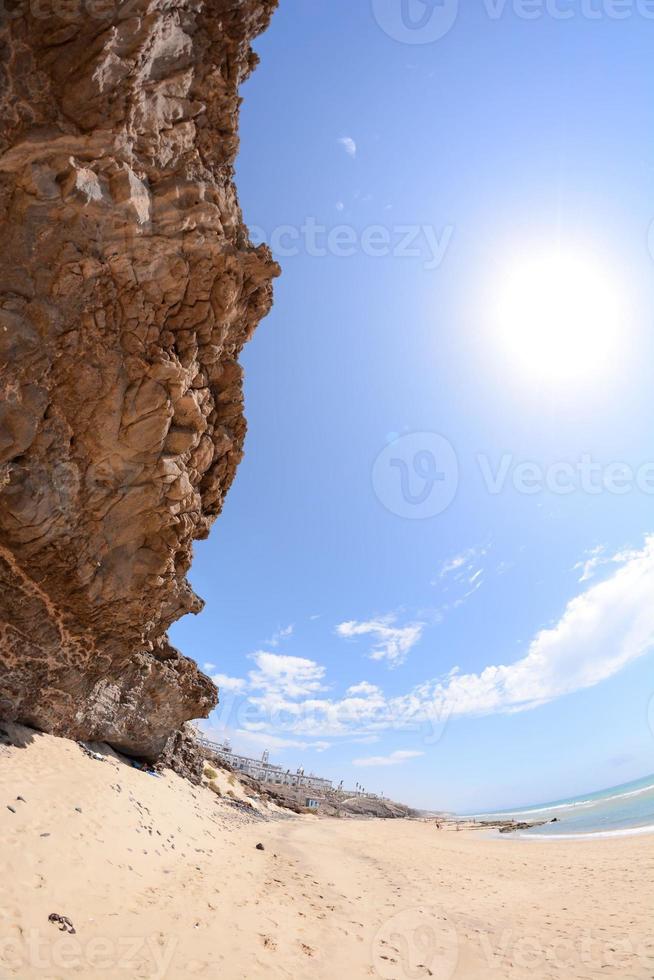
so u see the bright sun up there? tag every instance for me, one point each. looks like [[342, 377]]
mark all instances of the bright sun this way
[[558, 316]]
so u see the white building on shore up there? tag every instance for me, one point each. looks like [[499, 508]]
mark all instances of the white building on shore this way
[[263, 770]]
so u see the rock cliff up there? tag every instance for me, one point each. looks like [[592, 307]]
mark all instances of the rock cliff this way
[[128, 286]]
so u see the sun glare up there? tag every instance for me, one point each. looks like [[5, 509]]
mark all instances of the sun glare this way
[[558, 316]]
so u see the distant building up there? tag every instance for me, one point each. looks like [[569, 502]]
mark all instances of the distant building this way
[[311, 804], [263, 770]]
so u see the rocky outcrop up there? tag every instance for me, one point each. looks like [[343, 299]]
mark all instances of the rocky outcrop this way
[[128, 286]]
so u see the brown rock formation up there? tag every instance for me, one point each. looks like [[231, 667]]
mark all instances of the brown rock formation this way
[[128, 287]]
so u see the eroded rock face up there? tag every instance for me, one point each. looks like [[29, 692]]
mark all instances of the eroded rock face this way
[[128, 287]]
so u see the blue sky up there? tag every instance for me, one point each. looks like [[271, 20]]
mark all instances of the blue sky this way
[[380, 611]]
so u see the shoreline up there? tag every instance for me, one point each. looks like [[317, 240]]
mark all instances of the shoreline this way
[[618, 811], [593, 835], [493, 832]]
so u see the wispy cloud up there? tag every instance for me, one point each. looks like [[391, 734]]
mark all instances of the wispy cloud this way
[[597, 558], [463, 573], [279, 635], [394, 759], [463, 567], [591, 562], [391, 642], [454, 564], [348, 145]]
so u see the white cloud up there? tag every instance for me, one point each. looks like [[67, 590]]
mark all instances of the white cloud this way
[[601, 631], [364, 689], [267, 740], [291, 677], [209, 668], [394, 759], [235, 684], [340, 206], [348, 145], [392, 643], [254, 741]]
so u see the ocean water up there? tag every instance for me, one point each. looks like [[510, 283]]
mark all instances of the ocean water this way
[[618, 811]]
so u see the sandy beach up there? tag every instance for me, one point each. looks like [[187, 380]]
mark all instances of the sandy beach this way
[[161, 879]]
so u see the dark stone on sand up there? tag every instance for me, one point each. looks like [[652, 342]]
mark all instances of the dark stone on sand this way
[[64, 923]]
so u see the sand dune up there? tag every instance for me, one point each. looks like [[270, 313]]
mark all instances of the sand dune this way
[[161, 879]]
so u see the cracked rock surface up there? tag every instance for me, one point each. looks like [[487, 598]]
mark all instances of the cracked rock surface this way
[[128, 286]]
